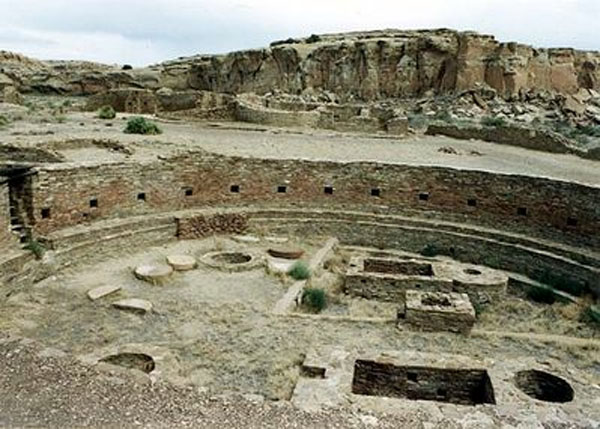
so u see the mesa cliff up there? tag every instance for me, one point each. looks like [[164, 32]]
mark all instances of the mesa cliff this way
[[363, 66]]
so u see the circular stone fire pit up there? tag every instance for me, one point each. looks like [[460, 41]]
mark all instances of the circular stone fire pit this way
[[544, 386], [139, 361], [286, 253], [232, 260]]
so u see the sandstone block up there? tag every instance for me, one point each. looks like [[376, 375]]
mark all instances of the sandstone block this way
[[181, 262], [102, 291], [155, 274], [134, 304]]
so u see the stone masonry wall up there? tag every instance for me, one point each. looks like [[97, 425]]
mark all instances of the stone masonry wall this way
[[206, 225], [68, 195], [459, 386], [529, 138], [7, 239]]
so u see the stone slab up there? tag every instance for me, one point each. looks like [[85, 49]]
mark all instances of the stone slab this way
[[182, 262], [134, 304], [246, 239], [155, 274], [273, 239], [102, 291]]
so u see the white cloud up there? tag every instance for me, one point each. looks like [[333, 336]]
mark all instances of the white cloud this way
[[145, 31]]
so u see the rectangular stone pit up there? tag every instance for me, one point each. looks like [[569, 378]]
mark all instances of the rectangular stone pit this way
[[468, 386], [388, 279], [437, 311]]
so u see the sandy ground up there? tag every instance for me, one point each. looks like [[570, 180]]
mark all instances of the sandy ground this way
[[221, 329], [244, 140]]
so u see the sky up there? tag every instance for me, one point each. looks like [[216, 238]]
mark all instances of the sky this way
[[142, 32]]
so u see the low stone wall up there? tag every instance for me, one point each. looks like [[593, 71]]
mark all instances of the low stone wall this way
[[254, 113], [470, 248], [130, 100], [390, 279], [201, 226], [432, 312], [458, 386], [528, 138]]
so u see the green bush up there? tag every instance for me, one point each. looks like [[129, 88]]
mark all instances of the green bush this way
[[541, 294], [430, 250], [299, 271], [563, 283], [36, 248], [313, 39], [314, 299], [418, 121], [4, 121], [493, 121], [140, 125], [479, 308], [591, 316], [107, 112], [443, 115]]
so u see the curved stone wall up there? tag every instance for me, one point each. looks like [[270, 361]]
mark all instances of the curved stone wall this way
[[522, 224], [66, 195]]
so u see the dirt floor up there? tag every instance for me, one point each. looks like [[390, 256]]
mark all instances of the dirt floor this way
[[220, 326], [40, 128]]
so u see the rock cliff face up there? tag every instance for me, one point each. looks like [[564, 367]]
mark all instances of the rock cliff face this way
[[69, 77], [354, 66], [390, 64]]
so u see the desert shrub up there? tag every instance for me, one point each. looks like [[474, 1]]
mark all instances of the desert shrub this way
[[418, 121], [591, 316], [127, 67], [36, 248], [314, 299], [443, 115], [541, 294], [313, 39], [107, 112], [430, 250], [299, 271], [479, 308], [67, 103], [140, 125], [4, 121], [590, 130], [493, 121], [563, 283]]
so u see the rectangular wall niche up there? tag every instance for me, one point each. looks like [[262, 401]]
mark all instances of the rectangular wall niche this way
[[456, 386]]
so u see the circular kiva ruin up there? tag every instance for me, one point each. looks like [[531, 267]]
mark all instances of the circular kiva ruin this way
[[330, 253]]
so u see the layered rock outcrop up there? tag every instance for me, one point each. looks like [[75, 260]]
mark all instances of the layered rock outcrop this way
[[391, 64], [354, 66]]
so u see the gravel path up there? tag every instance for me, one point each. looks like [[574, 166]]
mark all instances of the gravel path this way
[[40, 388]]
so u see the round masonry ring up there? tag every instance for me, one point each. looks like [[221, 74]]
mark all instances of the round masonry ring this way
[[232, 260], [544, 386], [139, 361], [285, 253]]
